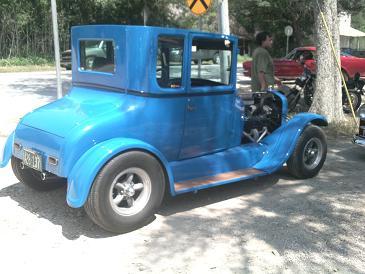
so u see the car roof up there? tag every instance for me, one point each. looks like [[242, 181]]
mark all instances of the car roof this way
[[311, 48], [135, 55]]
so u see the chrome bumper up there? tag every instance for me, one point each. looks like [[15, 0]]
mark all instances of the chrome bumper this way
[[358, 140]]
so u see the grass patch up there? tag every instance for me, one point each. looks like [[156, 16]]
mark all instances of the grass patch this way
[[26, 68], [23, 64], [25, 61]]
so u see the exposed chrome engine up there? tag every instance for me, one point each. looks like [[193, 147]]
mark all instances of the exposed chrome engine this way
[[261, 117]]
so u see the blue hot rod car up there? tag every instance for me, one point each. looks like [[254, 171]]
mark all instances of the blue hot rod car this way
[[143, 119]]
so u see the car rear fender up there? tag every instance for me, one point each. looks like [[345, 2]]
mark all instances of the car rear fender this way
[[281, 142], [6, 151], [92, 161]]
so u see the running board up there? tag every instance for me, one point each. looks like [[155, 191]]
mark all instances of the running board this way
[[218, 179]]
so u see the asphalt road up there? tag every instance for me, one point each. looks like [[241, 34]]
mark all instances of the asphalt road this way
[[274, 224]]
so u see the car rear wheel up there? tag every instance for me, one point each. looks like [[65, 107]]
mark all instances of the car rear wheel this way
[[309, 153], [33, 179], [126, 192]]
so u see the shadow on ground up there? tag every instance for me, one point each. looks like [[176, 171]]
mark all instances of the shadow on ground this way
[[44, 87], [319, 222]]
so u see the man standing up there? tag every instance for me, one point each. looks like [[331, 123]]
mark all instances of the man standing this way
[[262, 71]]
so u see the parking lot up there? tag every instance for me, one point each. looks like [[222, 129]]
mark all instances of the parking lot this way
[[274, 224]]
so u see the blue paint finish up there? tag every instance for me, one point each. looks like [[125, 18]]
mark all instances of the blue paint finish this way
[[44, 143], [193, 131], [284, 105], [108, 115], [208, 126], [240, 157], [86, 168], [5, 154], [281, 142], [222, 182]]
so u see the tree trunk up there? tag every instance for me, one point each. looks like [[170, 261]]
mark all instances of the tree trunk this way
[[328, 95]]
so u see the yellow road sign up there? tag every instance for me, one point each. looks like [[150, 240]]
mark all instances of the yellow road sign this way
[[199, 7]]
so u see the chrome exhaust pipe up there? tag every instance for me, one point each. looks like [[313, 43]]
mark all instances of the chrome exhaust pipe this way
[[22, 166], [43, 176]]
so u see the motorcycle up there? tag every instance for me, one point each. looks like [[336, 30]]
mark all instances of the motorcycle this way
[[304, 89]]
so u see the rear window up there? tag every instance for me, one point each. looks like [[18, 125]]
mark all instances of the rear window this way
[[97, 55]]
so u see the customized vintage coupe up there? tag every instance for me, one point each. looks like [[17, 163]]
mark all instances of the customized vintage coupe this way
[[290, 67], [137, 125]]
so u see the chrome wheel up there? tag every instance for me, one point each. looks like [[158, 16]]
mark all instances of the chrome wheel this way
[[312, 153], [130, 191]]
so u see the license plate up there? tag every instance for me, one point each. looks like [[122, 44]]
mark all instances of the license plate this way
[[32, 159]]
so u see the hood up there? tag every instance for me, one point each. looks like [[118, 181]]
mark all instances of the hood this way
[[75, 109]]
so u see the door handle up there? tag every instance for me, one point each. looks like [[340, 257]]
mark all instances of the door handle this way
[[191, 107]]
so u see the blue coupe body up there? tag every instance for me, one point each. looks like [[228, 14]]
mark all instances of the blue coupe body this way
[[130, 100]]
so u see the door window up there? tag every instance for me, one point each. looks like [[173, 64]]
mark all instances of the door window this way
[[211, 62]]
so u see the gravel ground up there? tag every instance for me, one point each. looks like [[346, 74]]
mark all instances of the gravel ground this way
[[274, 224]]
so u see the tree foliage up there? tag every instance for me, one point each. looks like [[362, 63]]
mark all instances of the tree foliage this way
[[26, 26], [274, 15]]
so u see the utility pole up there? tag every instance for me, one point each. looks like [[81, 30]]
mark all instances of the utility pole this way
[[56, 48], [145, 13], [223, 27], [223, 17]]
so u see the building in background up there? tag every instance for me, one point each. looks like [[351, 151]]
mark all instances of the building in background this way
[[352, 40]]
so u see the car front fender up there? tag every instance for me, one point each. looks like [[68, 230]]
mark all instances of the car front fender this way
[[6, 151], [92, 161], [281, 143]]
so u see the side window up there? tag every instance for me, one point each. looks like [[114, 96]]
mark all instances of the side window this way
[[169, 61], [211, 62], [291, 55], [97, 55], [297, 55], [308, 55]]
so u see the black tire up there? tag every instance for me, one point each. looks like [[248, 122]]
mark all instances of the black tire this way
[[309, 154], [32, 178], [355, 100], [108, 204], [216, 58]]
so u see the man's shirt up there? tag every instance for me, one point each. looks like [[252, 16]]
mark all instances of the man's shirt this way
[[261, 61]]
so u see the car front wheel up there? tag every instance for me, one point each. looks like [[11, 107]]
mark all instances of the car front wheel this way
[[309, 153], [126, 192]]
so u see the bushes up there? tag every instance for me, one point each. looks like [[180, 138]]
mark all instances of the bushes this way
[[25, 61]]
